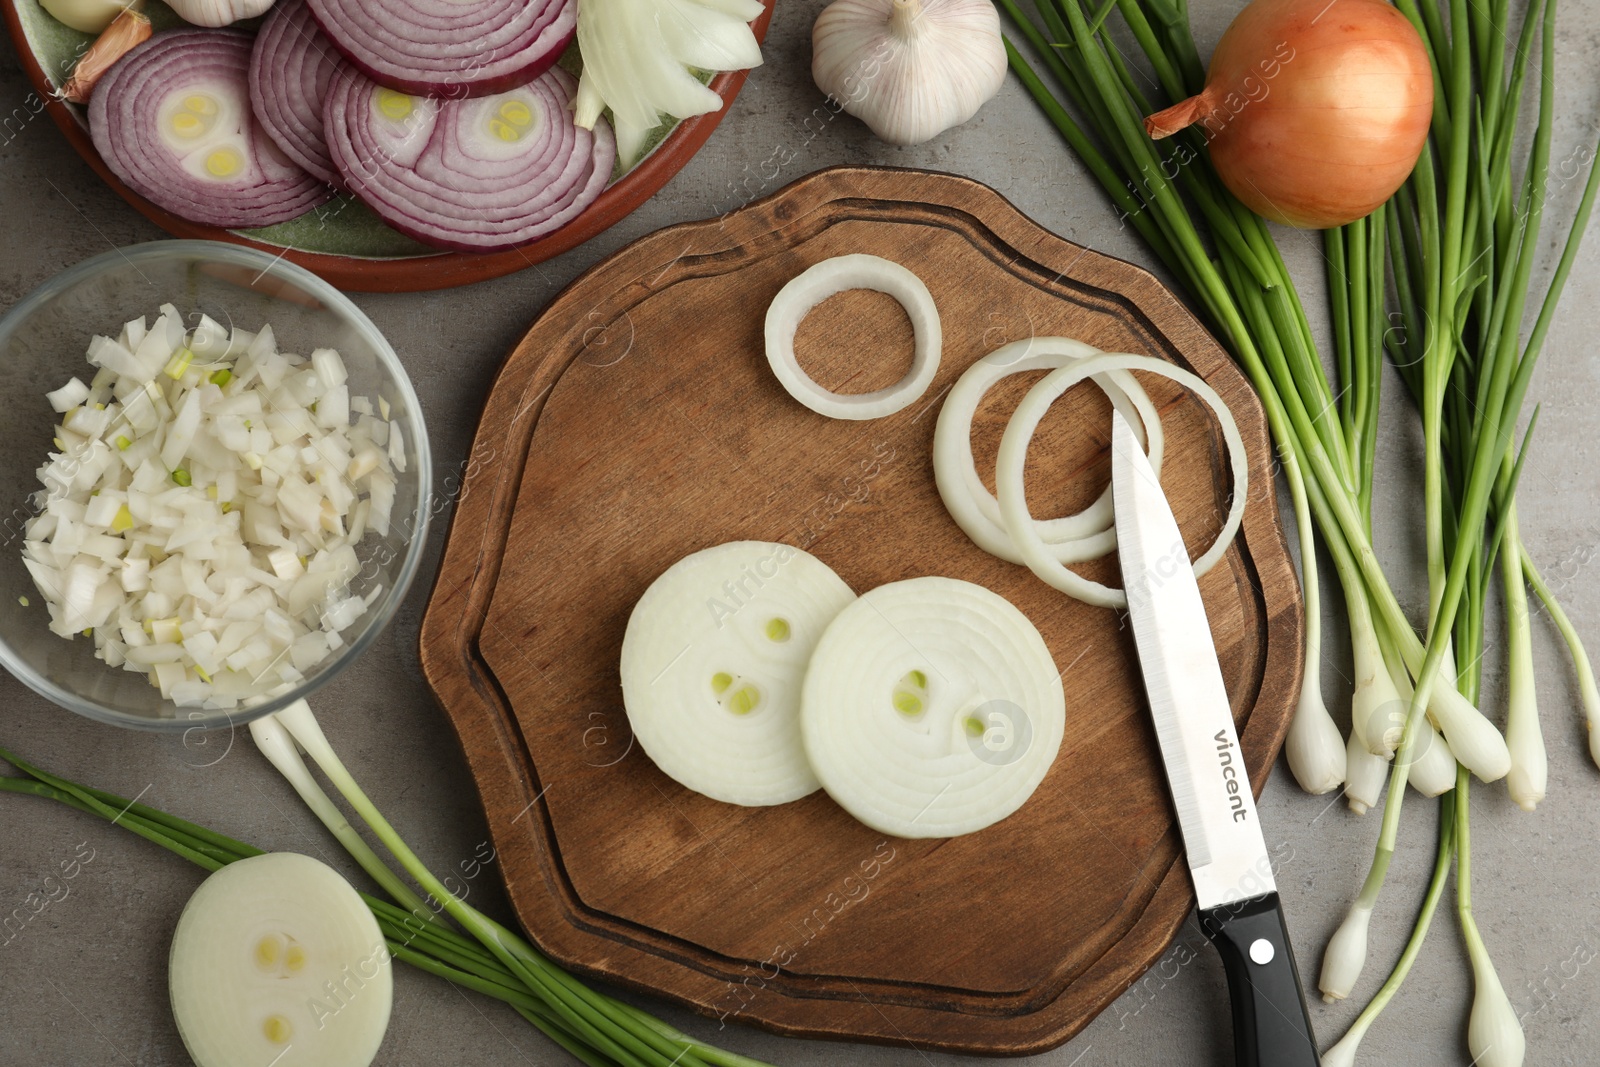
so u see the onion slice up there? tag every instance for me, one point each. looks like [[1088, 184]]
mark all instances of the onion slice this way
[[1014, 450], [822, 280], [172, 119], [449, 48], [932, 707], [476, 175], [1088, 534], [276, 959], [712, 663], [291, 69]]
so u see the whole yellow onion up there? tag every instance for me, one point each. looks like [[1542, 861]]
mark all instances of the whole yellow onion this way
[[1315, 111]]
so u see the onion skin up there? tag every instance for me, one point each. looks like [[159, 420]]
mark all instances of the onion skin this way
[[1314, 112]]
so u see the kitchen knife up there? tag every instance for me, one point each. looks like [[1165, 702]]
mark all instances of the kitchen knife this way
[[1237, 897]]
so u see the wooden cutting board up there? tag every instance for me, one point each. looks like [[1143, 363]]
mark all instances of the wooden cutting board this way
[[638, 421]]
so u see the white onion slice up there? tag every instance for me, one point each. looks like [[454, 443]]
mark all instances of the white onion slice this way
[[712, 662], [822, 280], [1014, 450], [932, 707], [1088, 534], [276, 959]]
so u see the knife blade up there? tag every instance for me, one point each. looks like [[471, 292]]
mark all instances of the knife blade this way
[[1226, 852]]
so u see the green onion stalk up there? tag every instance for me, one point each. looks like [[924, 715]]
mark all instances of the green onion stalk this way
[[1459, 241], [596, 1029]]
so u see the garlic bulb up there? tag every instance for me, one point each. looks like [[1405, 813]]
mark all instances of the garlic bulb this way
[[89, 16], [217, 12], [637, 55], [909, 69]]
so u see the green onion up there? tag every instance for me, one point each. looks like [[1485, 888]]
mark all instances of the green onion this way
[[594, 1028], [1458, 243]]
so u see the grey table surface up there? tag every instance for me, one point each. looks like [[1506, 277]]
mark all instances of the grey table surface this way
[[85, 983]]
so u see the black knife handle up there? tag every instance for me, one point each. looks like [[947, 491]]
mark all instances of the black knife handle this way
[[1270, 1025]]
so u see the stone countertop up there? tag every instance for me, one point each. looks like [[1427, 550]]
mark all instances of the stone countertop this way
[[85, 983]]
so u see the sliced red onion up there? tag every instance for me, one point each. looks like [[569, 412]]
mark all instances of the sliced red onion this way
[[474, 175], [449, 48], [290, 71], [172, 119]]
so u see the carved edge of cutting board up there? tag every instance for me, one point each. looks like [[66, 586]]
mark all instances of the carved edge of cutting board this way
[[494, 745]]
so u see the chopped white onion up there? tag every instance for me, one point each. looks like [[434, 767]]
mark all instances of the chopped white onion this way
[[198, 518]]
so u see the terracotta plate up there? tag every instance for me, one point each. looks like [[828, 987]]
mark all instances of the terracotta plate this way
[[343, 241], [638, 421]]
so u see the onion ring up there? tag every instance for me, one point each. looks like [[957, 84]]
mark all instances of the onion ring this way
[[172, 119], [1014, 450], [1073, 538], [832, 276]]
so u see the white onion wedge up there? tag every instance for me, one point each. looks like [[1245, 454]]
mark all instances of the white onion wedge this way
[[712, 663], [276, 959], [1014, 450], [1088, 534], [828, 278], [932, 707]]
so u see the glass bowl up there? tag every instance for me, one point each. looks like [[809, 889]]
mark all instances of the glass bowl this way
[[42, 344]]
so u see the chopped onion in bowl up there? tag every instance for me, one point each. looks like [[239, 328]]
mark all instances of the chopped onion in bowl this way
[[199, 516]]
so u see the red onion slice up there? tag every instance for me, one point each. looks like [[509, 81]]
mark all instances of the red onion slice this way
[[449, 48], [474, 175], [172, 119], [291, 68]]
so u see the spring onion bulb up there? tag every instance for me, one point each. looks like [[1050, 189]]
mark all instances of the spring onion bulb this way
[[1013, 454], [931, 708], [1376, 710], [202, 511], [1433, 764], [1347, 953], [1314, 748], [1530, 769], [1086, 535], [832, 276], [1364, 775], [276, 959], [712, 663]]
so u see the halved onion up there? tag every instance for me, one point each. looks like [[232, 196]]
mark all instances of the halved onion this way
[[449, 48], [712, 662], [277, 960], [172, 119], [1087, 535], [1014, 451], [291, 69], [932, 707], [814, 285], [476, 175]]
